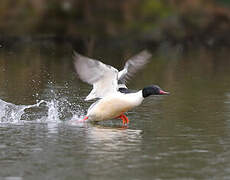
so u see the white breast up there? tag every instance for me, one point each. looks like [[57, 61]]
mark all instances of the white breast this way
[[114, 105]]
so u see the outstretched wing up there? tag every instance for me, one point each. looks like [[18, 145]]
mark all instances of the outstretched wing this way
[[133, 65], [104, 78]]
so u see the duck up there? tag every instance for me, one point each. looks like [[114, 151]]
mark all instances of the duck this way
[[113, 98]]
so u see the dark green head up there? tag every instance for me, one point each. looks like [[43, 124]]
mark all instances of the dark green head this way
[[153, 90]]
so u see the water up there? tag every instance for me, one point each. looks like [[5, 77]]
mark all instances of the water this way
[[181, 136]]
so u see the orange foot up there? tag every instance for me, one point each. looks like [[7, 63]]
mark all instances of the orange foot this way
[[82, 120], [124, 118]]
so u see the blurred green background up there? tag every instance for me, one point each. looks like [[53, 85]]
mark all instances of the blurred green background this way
[[205, 22]]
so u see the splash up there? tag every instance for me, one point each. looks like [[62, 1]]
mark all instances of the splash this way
[[54, 110], [11, 113]]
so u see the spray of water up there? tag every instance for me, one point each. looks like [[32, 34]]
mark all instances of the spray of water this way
[[11, 113], [54, 110]]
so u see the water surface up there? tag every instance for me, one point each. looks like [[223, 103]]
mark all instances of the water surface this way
[[181, 136]]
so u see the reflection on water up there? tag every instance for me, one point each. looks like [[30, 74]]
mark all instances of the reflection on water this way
[[181, 136], [107, 148]]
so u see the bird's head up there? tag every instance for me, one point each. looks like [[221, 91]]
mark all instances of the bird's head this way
[[153, 90]]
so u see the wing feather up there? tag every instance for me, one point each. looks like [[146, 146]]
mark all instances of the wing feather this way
[[133, 65], [104, 78]]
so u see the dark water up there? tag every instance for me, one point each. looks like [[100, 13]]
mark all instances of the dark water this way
[[182, 136]]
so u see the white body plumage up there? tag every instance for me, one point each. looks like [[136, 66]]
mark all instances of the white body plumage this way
[[114, 105]]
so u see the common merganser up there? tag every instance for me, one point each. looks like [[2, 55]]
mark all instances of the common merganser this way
[[109, 85]]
